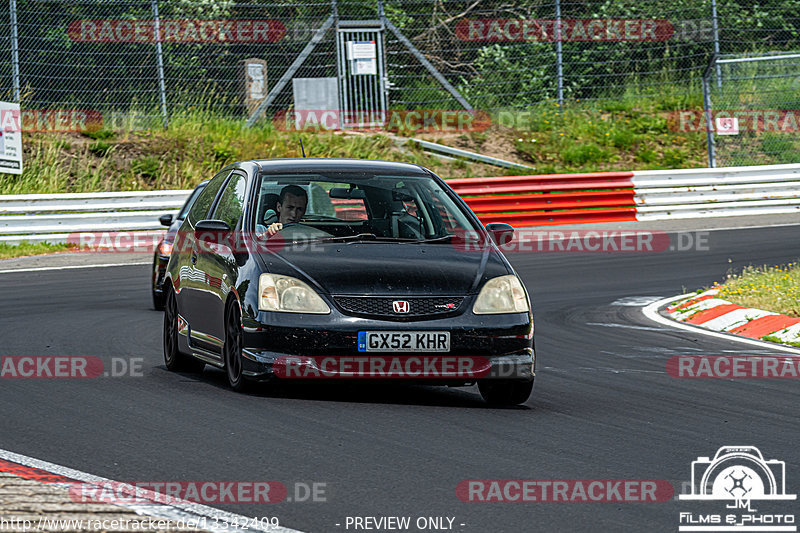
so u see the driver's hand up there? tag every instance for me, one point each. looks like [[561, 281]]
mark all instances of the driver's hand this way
[[274, 228]]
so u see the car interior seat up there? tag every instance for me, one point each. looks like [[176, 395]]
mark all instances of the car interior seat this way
[[269, 209]]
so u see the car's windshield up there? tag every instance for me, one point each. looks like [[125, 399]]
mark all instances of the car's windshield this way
[[359, 206]]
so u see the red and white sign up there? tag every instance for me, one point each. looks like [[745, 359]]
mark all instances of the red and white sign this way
[[10, 139], [727, 125]]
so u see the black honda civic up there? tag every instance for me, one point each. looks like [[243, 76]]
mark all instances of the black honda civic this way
[[339, 269]]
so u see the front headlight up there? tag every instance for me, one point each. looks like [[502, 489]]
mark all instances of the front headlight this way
[[286, 294], [504, 294]]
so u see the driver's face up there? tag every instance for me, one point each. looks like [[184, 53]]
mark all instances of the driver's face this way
[[292, 209]]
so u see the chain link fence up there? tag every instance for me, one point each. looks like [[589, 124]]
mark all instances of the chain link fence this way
[[753, 109], [154, 59]]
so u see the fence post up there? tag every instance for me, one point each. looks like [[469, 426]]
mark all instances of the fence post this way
[[712, 163], [559, 62], [12, 6], [160, 62], [715, 29], [385, 73]]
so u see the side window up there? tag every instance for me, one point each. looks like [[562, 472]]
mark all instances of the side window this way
[[190, 202], [231, 203], [449, 223], [203, 203]]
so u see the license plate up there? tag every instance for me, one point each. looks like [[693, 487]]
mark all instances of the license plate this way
[[403, 341]]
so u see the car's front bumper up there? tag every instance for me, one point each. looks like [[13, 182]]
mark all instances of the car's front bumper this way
[[159, 272], [325, 346]]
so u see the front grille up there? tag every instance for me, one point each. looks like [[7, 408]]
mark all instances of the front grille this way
[[381, 306]]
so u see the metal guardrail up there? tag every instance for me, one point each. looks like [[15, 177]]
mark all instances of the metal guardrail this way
[[732, 191], [449, 151], [518, 200], [53, 217], [637, 195]]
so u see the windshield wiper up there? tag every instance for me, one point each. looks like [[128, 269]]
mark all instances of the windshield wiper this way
[[320, 218], [444, 238]]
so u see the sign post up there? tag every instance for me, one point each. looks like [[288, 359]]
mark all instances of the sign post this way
[[255, 83], [10, 139]]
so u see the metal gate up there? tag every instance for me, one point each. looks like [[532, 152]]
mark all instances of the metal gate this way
[[362, 74]]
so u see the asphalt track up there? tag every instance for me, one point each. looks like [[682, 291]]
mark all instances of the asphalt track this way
[[603, 406]]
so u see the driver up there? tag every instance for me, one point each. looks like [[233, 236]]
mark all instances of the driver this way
[[291, 207]]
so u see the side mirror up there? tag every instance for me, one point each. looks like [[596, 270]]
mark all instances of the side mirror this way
[[166, 220], [214, 231], [501, 232]]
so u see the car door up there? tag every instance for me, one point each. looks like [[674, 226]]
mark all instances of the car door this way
[[191, 281], [220, 266]]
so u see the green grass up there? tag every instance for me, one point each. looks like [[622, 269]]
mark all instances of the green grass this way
[[628, 133], [194, 147], [23, 249], [771, 288], [772, 338]]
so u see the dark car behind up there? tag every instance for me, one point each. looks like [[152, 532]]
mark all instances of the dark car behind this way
[[164, 248]]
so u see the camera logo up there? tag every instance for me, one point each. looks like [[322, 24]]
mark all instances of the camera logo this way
[[737, 476], [738, 473]]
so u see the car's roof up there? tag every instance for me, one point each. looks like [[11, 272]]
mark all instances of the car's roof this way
[[302, 165]]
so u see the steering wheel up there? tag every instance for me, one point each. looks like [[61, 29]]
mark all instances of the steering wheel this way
[[295, 230]]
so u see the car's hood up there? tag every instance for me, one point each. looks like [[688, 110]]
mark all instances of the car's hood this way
[[388, 268]]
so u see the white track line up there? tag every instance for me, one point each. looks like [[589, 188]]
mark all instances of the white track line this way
[[72, 267], [651, 312], [176, 511], [731, 228], [566, 227]]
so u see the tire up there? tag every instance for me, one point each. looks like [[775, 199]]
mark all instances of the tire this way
[[232, 350], [159, 300], [505, 392], [159, 297], [174, 359]]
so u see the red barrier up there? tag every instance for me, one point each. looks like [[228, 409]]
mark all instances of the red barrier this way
[[550, 199], [559, 200]]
